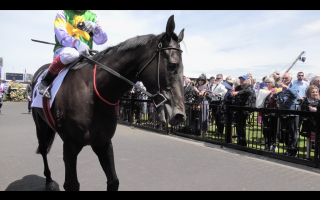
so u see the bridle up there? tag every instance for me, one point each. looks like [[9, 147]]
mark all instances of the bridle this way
[[160, 97]]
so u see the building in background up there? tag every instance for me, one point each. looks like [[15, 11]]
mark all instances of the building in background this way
[[20, 77], [28, 77]]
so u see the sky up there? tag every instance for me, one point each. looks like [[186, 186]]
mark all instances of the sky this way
[[232, 43]]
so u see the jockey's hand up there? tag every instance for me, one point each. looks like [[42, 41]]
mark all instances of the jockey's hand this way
[[89, 26], [81, 47]]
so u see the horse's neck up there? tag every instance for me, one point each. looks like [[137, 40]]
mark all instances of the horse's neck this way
[[111, 87]]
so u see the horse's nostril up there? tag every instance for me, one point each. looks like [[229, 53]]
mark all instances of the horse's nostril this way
[[179, 117]]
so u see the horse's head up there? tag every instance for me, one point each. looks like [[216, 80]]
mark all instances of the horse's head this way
[[169, 80]]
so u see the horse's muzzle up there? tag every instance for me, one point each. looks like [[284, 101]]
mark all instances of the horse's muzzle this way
[[177, 118]]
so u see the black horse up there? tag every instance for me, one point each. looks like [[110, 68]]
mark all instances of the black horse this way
[[84, 119]]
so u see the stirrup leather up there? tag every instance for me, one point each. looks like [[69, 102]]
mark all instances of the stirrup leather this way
[[47, 92]]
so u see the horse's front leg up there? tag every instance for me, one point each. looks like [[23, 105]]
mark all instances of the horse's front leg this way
[[70, 154], [106, 158]]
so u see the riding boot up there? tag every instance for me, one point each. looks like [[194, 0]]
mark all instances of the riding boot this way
[[45, 82], [55, 67]]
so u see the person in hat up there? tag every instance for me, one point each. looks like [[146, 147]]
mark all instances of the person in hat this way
[[243, 94], [201, 88]]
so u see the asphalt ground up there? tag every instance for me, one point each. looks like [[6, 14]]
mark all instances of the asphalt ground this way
[[145, 161]]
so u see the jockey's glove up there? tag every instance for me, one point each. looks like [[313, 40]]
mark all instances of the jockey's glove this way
[[89, 26], [81, 47]]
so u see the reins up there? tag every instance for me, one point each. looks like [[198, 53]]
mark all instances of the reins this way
[[95, 89], [158, 97]]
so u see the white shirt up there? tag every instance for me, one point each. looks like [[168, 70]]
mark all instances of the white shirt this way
[[301, 87], [211, 87], [219, 89]]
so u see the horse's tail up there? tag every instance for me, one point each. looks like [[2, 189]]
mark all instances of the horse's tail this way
[[49, 138]]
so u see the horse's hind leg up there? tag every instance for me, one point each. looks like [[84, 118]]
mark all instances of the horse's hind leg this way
[[45, 137], [70, 153], [106, 158]]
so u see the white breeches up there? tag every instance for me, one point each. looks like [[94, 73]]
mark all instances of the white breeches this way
[[67, 54]]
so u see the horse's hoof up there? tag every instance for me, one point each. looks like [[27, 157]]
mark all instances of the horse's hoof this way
[[51, 186]]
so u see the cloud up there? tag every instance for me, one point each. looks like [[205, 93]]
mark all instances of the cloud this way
[[309, 29], [228, 42]]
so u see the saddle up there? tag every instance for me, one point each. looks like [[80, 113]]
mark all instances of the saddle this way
[[77, 64]]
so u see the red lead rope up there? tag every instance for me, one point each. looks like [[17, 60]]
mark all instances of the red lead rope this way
[[95, 88]]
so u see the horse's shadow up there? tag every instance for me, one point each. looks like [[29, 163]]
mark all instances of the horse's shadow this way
[[30, 183]]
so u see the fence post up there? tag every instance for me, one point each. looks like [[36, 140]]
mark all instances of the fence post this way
[[153, 115], [228, 124], [131, 111]]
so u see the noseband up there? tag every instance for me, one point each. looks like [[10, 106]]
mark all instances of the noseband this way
[[160, 97]]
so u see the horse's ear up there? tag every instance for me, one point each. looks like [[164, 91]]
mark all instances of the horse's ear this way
[[170, 26], [181, 35]]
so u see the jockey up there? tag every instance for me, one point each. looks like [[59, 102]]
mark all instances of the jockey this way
[[71, 41]]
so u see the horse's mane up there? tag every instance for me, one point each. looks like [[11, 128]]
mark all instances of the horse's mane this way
[[129, 44]]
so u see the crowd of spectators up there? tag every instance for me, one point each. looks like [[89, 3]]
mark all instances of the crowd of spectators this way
[[275, 91]]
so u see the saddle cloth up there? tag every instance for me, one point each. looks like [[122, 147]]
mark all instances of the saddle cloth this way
[[77, 64], [37, 98]]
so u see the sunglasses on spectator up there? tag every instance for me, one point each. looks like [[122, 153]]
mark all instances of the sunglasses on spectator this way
[[267, 82], [300, 75], [285, 78], [218, 78]]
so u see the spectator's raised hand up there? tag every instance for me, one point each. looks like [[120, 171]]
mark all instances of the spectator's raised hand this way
[[234, 93], [202, 92], [312, 109]]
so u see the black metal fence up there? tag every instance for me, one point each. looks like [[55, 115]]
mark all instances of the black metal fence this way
[[265, 131]]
